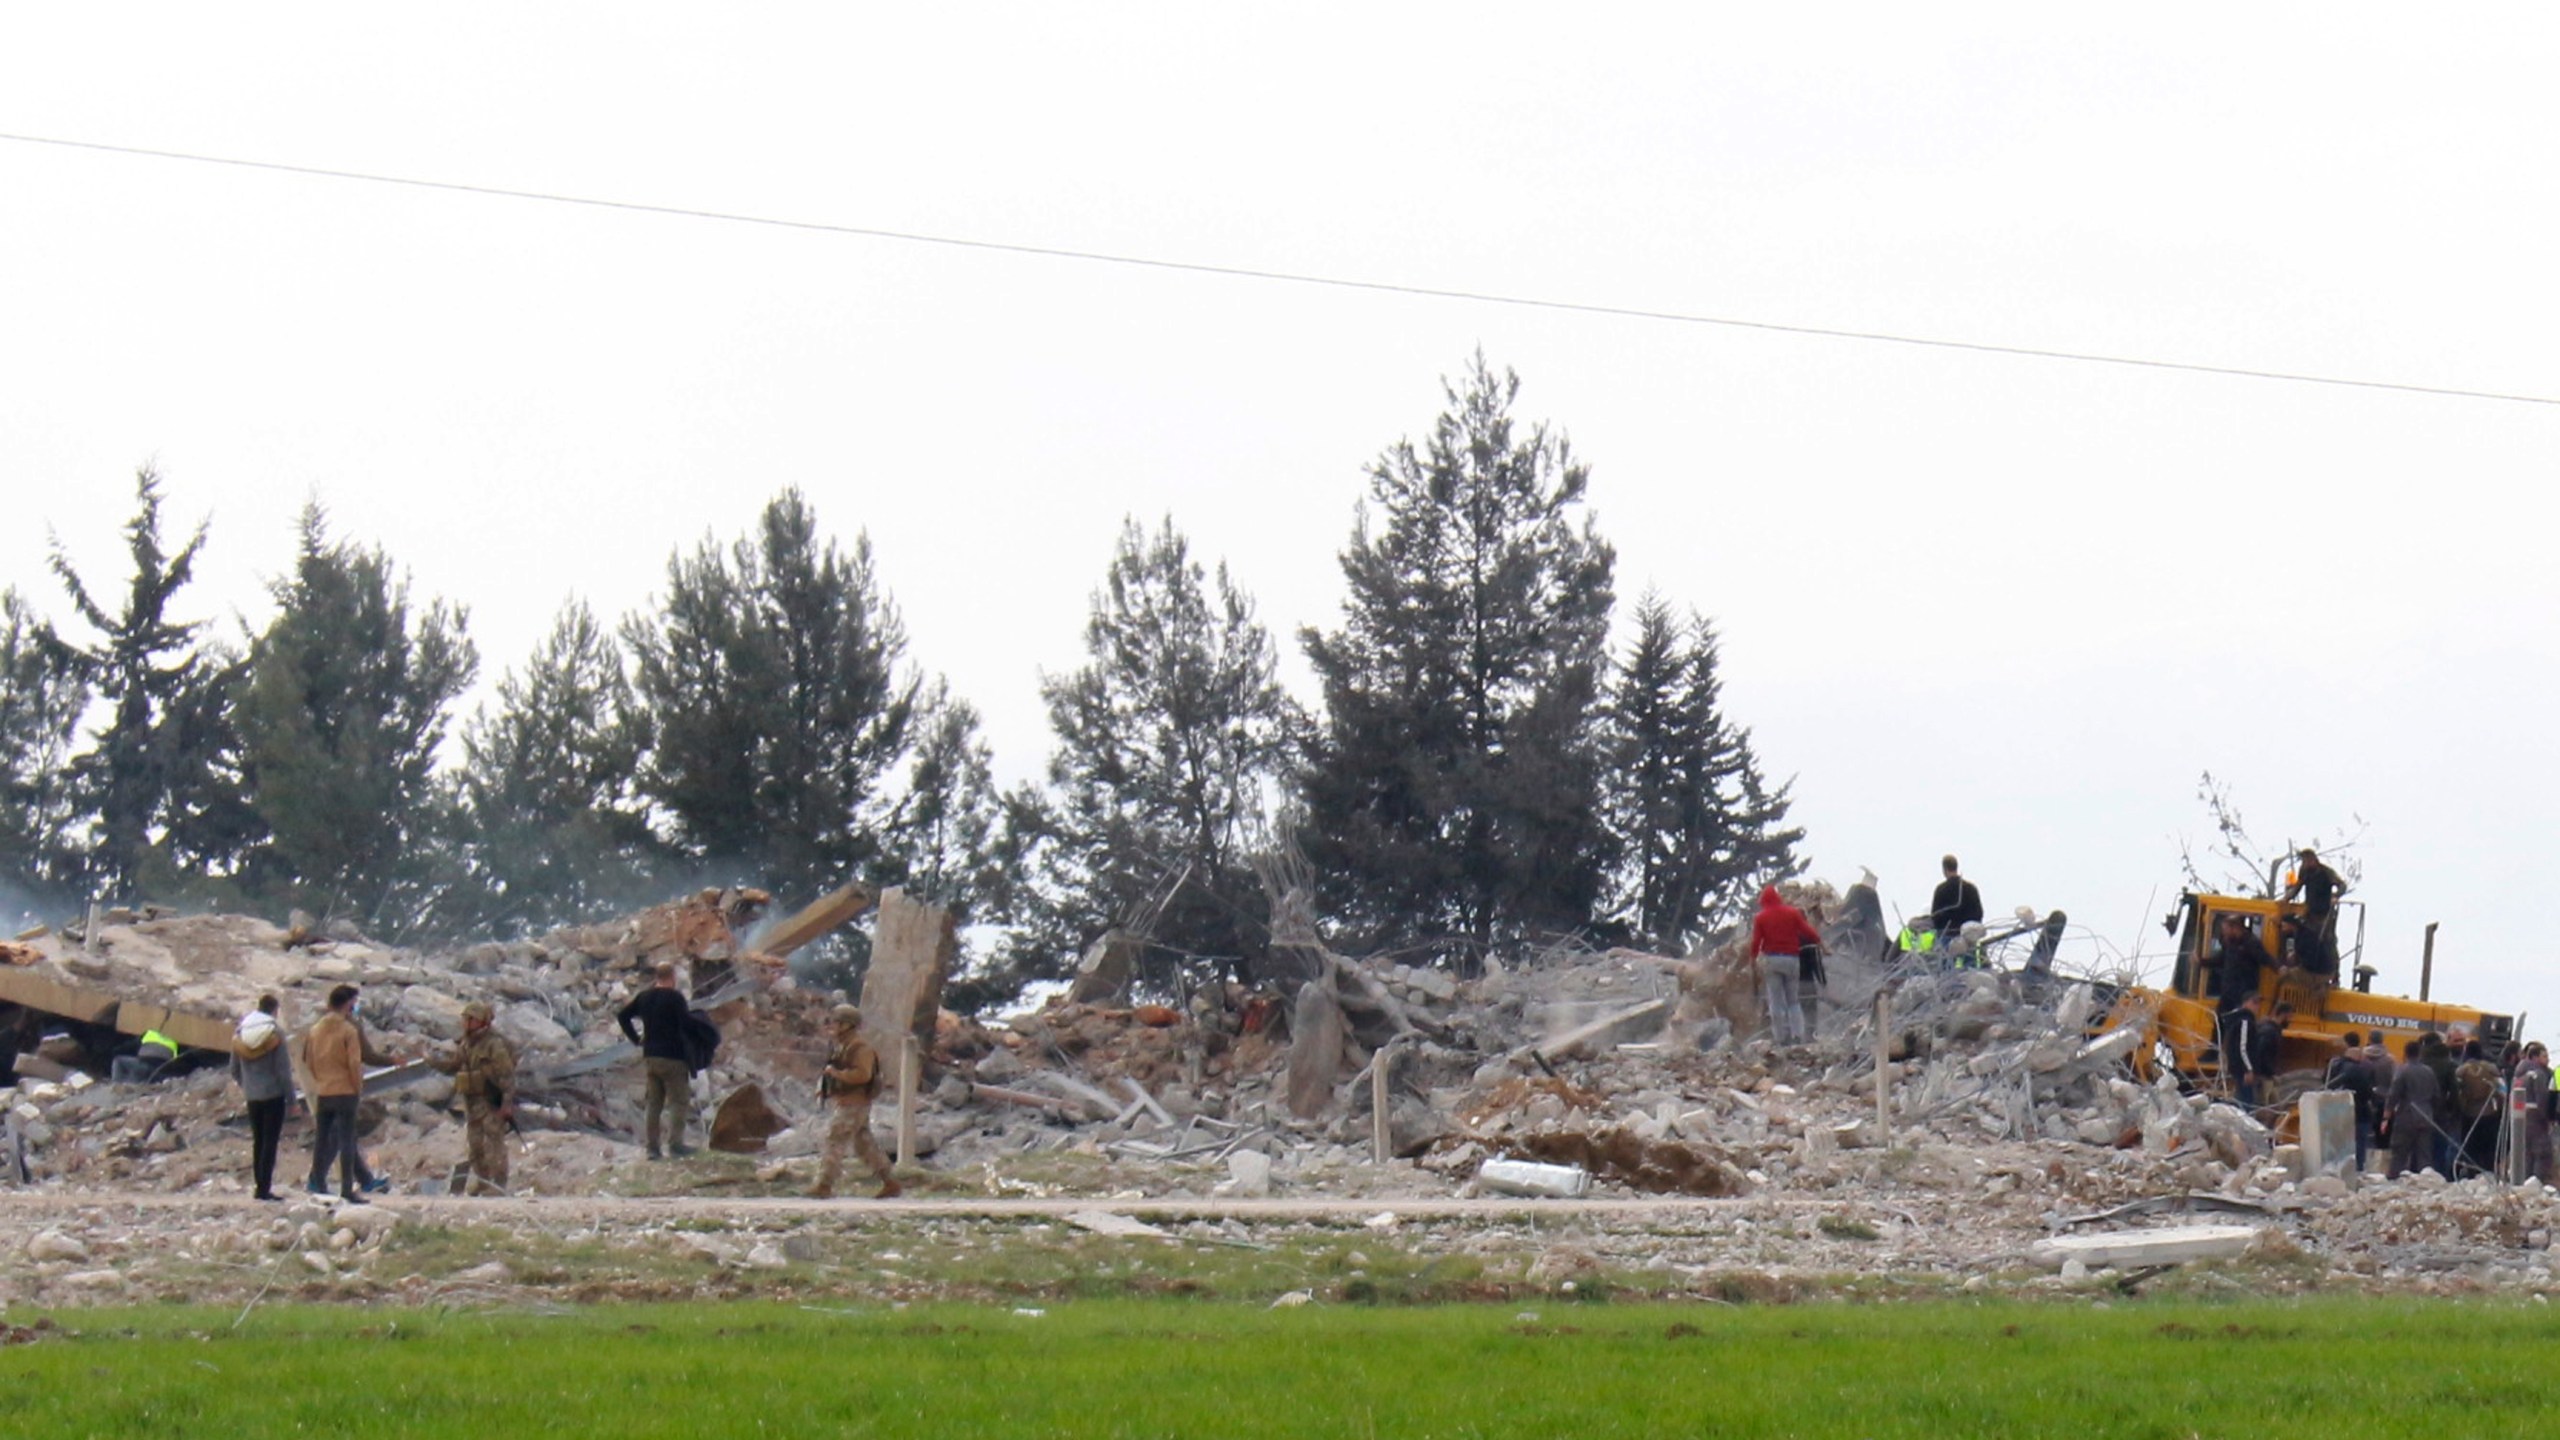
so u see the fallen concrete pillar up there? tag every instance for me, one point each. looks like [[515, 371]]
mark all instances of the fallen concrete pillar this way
[[912, 949], [819, 919], [2174, 1245], [1317, 1030]]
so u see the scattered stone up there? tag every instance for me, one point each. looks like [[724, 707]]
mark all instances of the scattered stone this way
[[54, 1245]]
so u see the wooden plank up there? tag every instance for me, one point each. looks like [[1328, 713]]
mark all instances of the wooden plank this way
[[819, 919]]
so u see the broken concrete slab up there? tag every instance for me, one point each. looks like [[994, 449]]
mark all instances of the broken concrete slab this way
[[1106, 970], [1104, 1222], [2174, 1245]]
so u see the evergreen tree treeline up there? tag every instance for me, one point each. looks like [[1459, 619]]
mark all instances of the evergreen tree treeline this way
[[1482, 770]]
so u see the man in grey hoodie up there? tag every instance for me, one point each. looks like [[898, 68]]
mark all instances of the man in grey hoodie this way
[[264, 1069]]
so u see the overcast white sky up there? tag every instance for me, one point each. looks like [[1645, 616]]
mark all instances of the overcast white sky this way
[[2006, 606]]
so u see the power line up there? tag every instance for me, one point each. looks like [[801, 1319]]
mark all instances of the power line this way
[[1289, 277]]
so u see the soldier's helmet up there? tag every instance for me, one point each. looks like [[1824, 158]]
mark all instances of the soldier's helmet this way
[[847, 1017], [478, 1010]]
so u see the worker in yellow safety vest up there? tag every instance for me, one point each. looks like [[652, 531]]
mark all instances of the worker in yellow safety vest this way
[[143, 1066], [1917, 938]]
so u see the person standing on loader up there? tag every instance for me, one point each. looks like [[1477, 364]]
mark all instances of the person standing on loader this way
[[2236, 981], [2316, 947], [851, 1080], [483, 1068]]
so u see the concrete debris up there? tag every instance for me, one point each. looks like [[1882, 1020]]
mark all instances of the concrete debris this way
[[1105, 1222], [2174, 1245], [1527, 1177], [1638, 1073]]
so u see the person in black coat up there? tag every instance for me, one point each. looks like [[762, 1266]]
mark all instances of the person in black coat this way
[[1954, 904]]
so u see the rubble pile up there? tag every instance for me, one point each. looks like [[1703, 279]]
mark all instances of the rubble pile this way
[[1959, 1116]]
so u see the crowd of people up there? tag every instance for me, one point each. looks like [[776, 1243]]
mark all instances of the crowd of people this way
[[2445, 1104], [675, 1043]]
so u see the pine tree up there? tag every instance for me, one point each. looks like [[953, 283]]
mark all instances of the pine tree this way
[[156, 680], [550, 787], [944, 819], [341, 708], [1451, 790], [776, 711], [1172, 741], [44, 687], [1696, 826]]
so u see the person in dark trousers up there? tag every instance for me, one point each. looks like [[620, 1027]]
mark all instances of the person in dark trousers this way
[[2236, 979], [2533, 1081], [2349, 1073], [2266, 1042], [2241, 1048], [660, 1011], [264, 1068], [2439, 1059], [333, 1055], [2319, 886], [2408, 1112], [2477, 1100], [1954, 904]]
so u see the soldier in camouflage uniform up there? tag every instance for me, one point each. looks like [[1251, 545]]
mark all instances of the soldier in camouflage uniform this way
[[851, 1079], [484, 1076]]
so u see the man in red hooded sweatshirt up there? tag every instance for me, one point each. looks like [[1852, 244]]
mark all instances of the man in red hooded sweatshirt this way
[[1779, 934]]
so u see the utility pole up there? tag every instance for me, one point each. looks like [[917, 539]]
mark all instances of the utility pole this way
[[2427, 964]]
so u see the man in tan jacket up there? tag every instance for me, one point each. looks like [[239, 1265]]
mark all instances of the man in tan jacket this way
[[333, 1055], [851, 1079]]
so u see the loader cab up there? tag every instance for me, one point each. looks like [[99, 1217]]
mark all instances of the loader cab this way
[[2197, 922]]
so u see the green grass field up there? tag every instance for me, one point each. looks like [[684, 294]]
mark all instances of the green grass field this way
[[2326, 1367]]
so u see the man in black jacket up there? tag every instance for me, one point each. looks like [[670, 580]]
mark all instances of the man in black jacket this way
[[1954, 904], [661, 1009]]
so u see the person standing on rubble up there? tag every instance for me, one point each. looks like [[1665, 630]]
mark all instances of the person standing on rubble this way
[[1954, 904], [484, 1076], [660, 1011], [1811, 979], [851, 1079], [2533, 1082], [2408, 1112], [1779, 937], [2478, 1100], [2348, 1072], [260, 1062], [333, 1054]]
